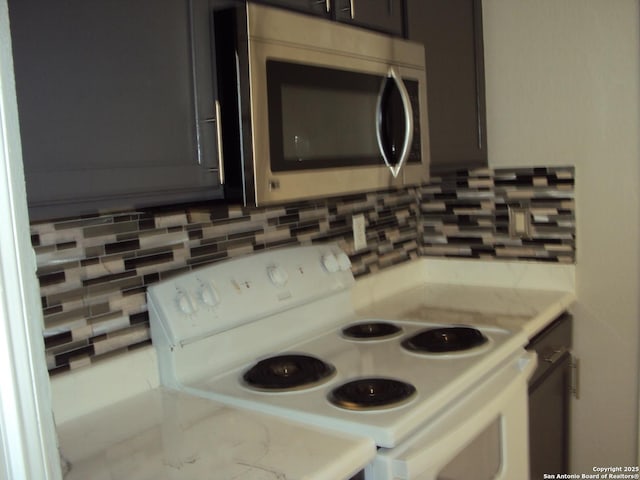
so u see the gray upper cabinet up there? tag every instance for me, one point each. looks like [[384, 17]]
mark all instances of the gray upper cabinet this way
[[451, 31], [316, 7], [382, 15], [116, 104]]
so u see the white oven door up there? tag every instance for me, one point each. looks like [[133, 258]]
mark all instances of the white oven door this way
[[482, 436]]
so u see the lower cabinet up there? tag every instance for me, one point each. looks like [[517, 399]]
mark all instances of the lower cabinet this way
[[549, 399]]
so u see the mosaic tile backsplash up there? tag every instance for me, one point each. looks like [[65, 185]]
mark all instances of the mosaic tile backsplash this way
[[467, 215], [94, 271]]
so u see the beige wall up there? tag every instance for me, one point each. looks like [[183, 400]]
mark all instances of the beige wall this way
[[563, 84]]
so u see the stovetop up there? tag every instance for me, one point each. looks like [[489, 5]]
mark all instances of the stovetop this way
[[212, 325], [437, 378]]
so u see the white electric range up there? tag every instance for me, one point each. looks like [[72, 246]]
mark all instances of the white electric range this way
[[276, 332]]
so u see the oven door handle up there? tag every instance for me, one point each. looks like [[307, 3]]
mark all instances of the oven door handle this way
[[393, 76]]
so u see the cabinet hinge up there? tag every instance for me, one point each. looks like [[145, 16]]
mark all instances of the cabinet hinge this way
[[575, 377]]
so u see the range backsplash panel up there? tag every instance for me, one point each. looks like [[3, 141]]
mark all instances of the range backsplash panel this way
[[94, 271]]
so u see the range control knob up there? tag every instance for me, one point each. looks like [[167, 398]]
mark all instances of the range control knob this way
[[277, 276], [330, 263], [209, 295], [184, 302], [344, 262]]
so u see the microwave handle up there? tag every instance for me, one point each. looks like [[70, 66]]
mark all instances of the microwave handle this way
[[327, 4], [408, 121], [219, 142]]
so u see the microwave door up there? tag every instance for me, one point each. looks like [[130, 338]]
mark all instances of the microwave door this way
[[320, 117], [394, 122]]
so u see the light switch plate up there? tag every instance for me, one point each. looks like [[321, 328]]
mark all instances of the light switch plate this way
[[519, 222], [359, 232]]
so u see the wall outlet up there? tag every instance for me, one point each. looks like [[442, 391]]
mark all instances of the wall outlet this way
[[359, 232], [519, 222]]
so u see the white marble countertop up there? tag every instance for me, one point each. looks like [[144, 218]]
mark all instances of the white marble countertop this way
[[519, 297], [163, 434], [510, 308]]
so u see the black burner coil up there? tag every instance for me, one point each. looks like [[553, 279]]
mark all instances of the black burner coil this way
[[444, 340], [371, 330], [287, 372], [371, 393]]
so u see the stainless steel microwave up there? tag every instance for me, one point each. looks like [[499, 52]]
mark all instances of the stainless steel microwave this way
[[310, 108]]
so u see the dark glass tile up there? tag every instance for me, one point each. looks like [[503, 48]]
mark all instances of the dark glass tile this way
[[58, 339], [148, 260], [520, 180], [540, 242], [138, 318], [445, 196], [66, 245], [52, 310], [465, 240], [119, 247], [52, 279], [339, 223], [151, 278], [146, 224], [89, 261], [195, 234], [66, 357], [285, 219], [301, 230], [204, 250]]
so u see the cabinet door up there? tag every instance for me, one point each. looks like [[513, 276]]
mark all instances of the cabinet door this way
[[315, 7], [451, 31], [549, 420], [549, 398], [382, 15], [106, 95]]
